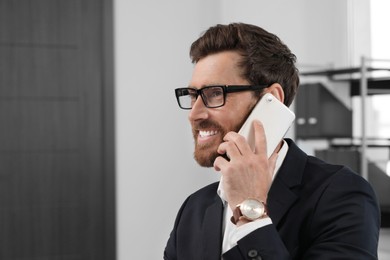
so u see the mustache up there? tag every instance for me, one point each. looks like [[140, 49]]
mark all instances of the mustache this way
[[206, 124]]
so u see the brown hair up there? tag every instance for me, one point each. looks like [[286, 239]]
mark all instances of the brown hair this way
[[265, 58]]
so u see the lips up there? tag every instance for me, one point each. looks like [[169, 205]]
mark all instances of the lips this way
[[203, 133], [206, 133]]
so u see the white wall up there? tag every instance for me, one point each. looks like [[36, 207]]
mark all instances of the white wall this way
[[155, 169], [321, 33]]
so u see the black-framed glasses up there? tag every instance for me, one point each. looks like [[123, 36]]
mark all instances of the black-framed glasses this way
[[212, 96]]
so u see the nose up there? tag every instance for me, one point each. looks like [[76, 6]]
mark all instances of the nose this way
[[198, 111]]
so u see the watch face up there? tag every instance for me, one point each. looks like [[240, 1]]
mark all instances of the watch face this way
[[252, 209]]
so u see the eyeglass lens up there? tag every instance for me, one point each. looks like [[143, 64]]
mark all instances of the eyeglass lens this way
[[186, 97], [211, 96]]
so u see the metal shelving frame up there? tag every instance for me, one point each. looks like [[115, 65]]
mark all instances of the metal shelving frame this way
[[363, 70]]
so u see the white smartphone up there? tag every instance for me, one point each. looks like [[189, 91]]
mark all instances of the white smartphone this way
[[276, 118]]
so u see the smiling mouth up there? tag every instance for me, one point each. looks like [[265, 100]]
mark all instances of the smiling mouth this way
[[207, 133]]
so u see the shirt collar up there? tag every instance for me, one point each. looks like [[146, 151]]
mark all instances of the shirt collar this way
[[281, 155]]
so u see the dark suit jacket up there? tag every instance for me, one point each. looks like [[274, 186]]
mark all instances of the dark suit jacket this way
[[318, 210]]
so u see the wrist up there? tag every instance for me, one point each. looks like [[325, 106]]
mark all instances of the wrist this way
[[248, 211], [241, 221]]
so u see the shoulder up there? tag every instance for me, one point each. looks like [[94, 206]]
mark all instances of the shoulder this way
[[340, 189], [337, 176], [337, 194], [317, 176], [205, 195], [194, 207]]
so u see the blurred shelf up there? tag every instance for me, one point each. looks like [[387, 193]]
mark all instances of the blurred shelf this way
[[342, 71]]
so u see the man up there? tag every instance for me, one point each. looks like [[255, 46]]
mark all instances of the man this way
[[288, 206]]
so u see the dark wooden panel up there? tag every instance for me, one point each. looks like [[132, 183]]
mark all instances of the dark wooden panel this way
[[42, 23], [40, 124], [29, 179], [56, 152], [37, 232], [41, 205], [40, 72]]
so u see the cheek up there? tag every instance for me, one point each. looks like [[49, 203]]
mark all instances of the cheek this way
[[235, 112], [233, 121], [240, 116]]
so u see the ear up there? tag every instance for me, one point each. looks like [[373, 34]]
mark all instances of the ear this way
[[276, 90]]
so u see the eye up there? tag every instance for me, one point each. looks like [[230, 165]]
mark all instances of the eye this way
[[214, 92], [217, 93]]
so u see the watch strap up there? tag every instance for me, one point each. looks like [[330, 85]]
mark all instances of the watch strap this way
[[237, 214]]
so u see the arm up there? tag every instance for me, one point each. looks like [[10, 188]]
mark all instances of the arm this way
[[264, 243], [344, 224], [248, 174]]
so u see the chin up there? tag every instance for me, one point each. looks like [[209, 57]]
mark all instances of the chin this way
[[205, 159]]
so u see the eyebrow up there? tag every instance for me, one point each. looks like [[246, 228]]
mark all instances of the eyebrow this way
[[208, 85]]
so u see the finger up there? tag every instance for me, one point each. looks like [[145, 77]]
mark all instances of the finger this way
[[230, 136], [260, 139], [229, 148], [220, 163], [222, 148], [240, 142]]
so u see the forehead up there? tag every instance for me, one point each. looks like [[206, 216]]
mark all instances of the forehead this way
[[217, 69]]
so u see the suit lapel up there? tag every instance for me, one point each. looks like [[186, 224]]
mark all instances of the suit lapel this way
[[278, 207], [281, 196], [212, 230]]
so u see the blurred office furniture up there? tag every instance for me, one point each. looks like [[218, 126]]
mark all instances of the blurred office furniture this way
[[56, 133], [321, 115]]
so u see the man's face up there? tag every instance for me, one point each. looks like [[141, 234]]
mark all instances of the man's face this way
[[210, 125]]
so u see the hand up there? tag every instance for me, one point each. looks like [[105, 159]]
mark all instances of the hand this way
[[249, 173]]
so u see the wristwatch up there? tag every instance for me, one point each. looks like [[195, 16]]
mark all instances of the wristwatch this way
[[249, 209]]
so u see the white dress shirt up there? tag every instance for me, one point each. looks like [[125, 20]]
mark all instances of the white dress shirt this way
[[231, 233]]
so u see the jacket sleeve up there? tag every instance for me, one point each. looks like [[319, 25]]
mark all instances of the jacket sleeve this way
[[344, 224], [263, 243]]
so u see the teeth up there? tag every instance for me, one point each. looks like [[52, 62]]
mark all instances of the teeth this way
[[207, 133]]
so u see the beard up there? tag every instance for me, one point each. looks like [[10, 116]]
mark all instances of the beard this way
[[206, 154]]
